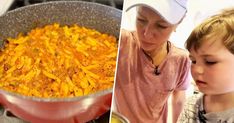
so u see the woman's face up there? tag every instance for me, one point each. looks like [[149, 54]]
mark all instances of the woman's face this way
[[152, 30], [213, 67]]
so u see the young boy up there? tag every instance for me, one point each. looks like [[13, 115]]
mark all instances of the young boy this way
[[211, 47]]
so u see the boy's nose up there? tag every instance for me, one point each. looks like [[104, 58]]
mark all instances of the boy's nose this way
[[197, 69]]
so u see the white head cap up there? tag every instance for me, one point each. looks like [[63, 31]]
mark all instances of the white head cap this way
[[171, 11]]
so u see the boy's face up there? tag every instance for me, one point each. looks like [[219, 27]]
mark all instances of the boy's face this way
[[213, 68]]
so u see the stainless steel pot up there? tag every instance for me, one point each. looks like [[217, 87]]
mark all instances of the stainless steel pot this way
[[68, 110]]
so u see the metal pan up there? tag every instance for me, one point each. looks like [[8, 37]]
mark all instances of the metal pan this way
[[68, 110]]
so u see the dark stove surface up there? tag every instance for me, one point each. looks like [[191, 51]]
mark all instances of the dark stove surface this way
[[114, 3]]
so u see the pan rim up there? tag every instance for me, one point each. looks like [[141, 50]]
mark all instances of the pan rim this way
[[56, 99]]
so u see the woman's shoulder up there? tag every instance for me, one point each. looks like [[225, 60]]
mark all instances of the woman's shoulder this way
[[179, 52], [179, 56], [127, 40], [127, 35]]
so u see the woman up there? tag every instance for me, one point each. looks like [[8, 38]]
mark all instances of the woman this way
[[150, 68]]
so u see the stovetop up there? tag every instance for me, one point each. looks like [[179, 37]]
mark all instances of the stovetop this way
[[114, 3], [8, 117]]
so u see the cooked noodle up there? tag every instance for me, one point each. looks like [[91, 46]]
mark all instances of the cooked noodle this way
[[58, 61]]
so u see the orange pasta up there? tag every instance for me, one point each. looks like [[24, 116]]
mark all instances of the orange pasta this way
[[58, 61]]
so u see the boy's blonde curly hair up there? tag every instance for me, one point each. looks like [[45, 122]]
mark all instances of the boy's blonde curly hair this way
[[217, 27]]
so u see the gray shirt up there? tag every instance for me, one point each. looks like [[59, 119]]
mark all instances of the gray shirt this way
[[194, 112]]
